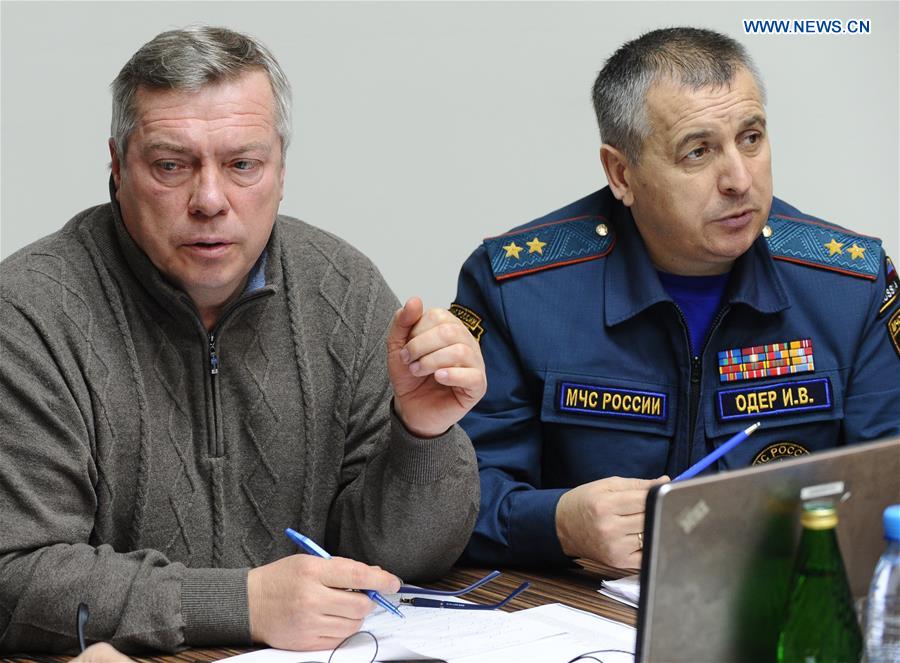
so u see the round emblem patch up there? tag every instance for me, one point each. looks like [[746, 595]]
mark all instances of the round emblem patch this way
[[779, 451]]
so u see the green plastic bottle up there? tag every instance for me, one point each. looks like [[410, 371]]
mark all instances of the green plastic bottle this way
[[820, 624]]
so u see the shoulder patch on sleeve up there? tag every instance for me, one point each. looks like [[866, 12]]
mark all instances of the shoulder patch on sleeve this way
[[469, 318], [891, 288], [550, 245], [819, 244], [893, 326]]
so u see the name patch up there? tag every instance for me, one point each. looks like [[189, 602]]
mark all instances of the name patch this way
[[771, 399], [612, 402]]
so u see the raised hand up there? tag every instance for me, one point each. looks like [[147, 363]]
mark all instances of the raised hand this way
[[435, 367]]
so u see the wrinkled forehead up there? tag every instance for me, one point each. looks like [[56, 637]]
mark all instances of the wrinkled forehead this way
[[251, 89], [670, 104]]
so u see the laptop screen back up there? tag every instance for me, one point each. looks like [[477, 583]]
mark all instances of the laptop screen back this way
[[719, 549]]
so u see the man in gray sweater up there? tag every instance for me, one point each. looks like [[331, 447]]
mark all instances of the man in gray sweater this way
[[185, 373]]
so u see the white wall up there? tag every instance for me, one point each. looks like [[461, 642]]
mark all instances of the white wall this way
[[422, 127]]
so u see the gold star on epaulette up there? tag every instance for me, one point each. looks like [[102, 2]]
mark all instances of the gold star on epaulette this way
[[512, 250], [856, 251], [834, 247], [536, 246]]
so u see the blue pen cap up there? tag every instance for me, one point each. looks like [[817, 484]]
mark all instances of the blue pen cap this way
[[892, 522]]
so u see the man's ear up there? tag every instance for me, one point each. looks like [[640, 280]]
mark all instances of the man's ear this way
[[115, 163], [618, 173]]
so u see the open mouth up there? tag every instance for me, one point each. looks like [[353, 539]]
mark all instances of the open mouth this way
[[740, 219]]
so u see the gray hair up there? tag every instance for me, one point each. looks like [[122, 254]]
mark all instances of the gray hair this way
[[693, 57], [190, 59]]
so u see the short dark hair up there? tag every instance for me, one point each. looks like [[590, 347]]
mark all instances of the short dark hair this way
[[691, 56]]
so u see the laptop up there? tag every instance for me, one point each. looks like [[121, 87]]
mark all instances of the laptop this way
[[719, 549]]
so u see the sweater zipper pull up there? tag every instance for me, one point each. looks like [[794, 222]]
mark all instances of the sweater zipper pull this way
[[213, 357]]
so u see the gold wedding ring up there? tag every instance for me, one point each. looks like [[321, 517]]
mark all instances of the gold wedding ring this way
[[640, 536]]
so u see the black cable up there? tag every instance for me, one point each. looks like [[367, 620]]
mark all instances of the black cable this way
[[587, 654], [346, 640], [81, 619]]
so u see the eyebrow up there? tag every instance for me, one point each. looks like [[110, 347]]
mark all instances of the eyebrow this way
[[163, 146], [251, 147], [706, 133], [754, 119]]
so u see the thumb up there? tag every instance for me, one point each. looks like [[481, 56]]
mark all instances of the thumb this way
[[647, 484], [403, 321]]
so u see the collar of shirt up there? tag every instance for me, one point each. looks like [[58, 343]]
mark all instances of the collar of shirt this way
[[632, 284]]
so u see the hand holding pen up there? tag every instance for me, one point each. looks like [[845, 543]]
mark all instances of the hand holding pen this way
[[300, 602], [314, 548]]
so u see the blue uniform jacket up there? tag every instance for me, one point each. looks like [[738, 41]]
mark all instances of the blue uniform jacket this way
[[590, 373]]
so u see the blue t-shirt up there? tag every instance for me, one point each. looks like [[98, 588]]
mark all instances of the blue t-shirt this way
[[699, 298]]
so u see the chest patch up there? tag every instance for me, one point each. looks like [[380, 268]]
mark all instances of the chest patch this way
[[764, 361], [779, 451], [596, 400], [773, 399]]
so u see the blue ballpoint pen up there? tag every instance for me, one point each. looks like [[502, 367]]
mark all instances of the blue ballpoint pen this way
[[708, 460], [314, 548]]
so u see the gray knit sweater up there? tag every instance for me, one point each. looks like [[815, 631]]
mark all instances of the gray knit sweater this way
[[135, 480]]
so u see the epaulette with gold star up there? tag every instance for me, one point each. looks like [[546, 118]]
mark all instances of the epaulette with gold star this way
[[822, 245], [549, 245]]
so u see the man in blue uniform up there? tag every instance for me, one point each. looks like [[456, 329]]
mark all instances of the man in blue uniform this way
[[633, 331]]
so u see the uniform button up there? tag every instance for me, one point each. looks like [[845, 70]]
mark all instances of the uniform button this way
[[767, 231], [602, 230]]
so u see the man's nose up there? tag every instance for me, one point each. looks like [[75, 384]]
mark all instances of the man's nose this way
[[208, 198], [735, 177]]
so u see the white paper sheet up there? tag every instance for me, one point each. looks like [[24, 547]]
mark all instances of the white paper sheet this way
[[435, 633], [626, 590], [585, 632]]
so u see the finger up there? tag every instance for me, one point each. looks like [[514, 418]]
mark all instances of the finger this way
[[102, 651], [320, 643], [344, 573], [630, 483], [632, 562], [437, 330], [622, 550], [345, 604], [628, 526], [431, 318], [403, 322], [457, 354], [626, 503], [332, 626], [471, 381]]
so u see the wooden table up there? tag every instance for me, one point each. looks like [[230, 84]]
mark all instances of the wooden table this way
[[576, 587]]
